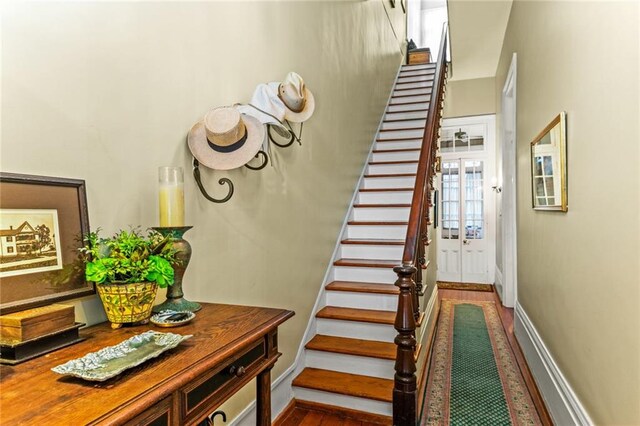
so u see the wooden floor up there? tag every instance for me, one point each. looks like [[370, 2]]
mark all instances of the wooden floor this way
[[311, 416], [308, 417], [506, 316]]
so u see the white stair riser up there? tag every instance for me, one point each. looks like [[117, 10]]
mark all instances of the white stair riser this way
[[409, 144], [416, 85], [414, 73], [418, 115], [404, 124], [389, 182], [401, 134], [369, 251], [410, 107], [385, 197], [380, 302], [365, 275], [387, 232], [415, 79], [396, 156], [381, 169], [417, 98], [364, 366], [350, 402], [405, 99], [413, 67], [422, 91], [381, 214], [356, 330]]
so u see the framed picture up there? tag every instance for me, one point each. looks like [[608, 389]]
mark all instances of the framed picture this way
[[43, 221], [549, 167]]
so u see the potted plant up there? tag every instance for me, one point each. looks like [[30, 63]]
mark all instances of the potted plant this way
[[128, 268]]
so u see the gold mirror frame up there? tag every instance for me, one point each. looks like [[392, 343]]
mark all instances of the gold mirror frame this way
[[549, 167]]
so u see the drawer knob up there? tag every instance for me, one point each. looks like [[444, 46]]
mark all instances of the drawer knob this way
[[238, 371]]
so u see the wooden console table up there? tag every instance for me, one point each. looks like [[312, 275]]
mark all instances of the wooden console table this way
[[230, 346]]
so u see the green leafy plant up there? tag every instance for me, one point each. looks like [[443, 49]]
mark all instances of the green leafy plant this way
[[128, 257]]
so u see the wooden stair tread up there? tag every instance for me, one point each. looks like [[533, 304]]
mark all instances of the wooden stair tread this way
[[368, 263], [402, 130], [359, 206], [385, 189], [358, 347], [358, 287], [373, 242], [361, 315], [376, 222], [393, 162], [407, 110], [391, 175], [345, 384], [399, 139], [382, 151], [404, 119]]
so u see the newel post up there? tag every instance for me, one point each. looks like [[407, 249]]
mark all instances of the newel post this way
[[405, 382]]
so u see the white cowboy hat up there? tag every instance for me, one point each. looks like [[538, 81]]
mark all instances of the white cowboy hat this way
[[225, 139], [298, 100], [267, 107]]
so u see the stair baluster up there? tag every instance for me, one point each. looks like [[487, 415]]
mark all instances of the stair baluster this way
[[410, 280]]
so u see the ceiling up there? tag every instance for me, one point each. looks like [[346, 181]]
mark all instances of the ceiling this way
[[477, 29]]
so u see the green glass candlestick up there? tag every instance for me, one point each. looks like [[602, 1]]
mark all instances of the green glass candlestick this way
[[175, 296]]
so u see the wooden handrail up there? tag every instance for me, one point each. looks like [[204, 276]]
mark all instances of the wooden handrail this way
[[426, 155], [405, 397]]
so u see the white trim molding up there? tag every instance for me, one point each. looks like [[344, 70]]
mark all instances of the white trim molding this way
[[562, 403]]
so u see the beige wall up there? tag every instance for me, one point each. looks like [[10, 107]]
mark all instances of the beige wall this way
[[469, 97], [106, 92], [578, 271]]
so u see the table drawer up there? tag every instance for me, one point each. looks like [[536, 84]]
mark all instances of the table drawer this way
[[158, 415], [213, 387]]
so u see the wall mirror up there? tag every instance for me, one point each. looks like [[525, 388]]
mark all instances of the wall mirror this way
[[549, 166]]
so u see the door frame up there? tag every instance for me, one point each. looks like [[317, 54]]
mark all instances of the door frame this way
[[507, 204], [488, 156]]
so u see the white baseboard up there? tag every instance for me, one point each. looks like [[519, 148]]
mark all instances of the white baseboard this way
[[499, 285], [562, 403]]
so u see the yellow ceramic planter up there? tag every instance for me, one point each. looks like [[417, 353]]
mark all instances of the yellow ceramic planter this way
[[127, 303]]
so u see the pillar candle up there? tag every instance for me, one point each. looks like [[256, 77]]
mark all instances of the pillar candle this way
[[171, 196]]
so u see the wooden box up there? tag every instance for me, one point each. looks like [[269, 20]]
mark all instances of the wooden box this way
[[36, 322], [419, 56]]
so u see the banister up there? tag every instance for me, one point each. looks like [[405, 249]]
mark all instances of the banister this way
[[405, 399], [424, 165]]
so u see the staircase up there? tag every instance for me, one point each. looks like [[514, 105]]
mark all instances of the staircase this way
[[350, 360]]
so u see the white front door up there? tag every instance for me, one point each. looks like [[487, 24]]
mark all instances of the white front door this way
[[462, 244], [466, 207]]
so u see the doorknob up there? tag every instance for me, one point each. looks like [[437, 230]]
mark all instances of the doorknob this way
[[465, 242]]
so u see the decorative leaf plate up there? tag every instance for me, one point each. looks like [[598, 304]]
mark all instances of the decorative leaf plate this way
[[171, 318], [110, 361]]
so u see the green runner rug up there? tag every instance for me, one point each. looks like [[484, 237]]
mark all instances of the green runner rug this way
[[474, 378]]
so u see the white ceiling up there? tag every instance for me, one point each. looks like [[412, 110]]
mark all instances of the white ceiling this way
[[477, 29]]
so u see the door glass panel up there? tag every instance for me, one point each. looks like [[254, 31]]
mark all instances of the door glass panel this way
[[450, 200], [474, 200]]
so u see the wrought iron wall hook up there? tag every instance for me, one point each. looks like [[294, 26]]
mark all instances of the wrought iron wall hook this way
[[284, 145], [222, 181], [265, 161], [212, 417]]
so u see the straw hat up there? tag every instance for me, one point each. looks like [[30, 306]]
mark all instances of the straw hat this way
[[267, 107], [225, 139], [298, 100]]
